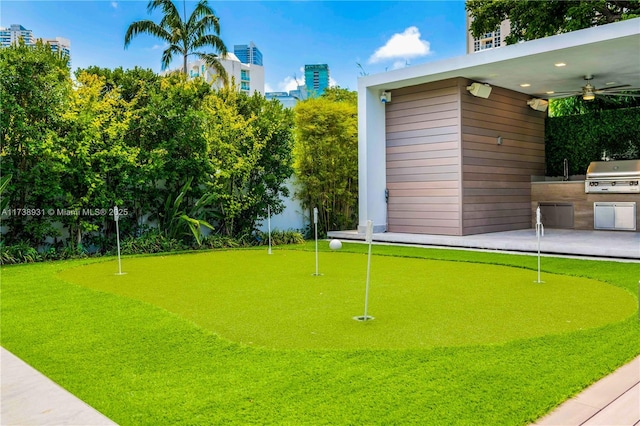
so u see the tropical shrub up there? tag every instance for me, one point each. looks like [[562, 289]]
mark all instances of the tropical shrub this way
[[35, 87], [151, 241], [164, 149], [250, 149], [326, 159], [216, 241], [21, 252], [279, 237]]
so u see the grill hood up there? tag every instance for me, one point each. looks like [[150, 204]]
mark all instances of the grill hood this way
[[614, 170], [613, 176]]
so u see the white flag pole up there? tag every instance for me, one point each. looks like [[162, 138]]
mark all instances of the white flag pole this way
[[366, 293], [539, 234], [269, 225], [369, 239], [116, 216], [315, 224]]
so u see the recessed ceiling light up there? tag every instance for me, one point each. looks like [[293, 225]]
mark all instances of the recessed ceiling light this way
[[525, 85], [610, 83], [550, 92], [560, 64]]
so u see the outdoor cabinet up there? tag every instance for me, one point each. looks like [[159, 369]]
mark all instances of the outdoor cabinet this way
[[614, 216], [557, 215]]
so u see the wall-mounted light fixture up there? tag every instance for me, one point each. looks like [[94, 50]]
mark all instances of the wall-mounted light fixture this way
[[385, 97], [538, 104], [480, 90]]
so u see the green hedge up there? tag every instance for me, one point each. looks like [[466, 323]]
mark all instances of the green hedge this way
[[151, 241], [583, 138]]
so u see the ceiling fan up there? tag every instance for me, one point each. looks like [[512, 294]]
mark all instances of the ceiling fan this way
[[589, 92]]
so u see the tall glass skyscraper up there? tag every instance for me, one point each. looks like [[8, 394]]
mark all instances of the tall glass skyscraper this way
[[316, 79], [248, 53]]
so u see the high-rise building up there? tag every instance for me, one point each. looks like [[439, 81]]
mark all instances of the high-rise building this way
[[288, 99], [248, 54], [59, 44], [316, 79], [489, 40], [300, 93], [15, 32], [284, 98], [246, 72], [248, 77]]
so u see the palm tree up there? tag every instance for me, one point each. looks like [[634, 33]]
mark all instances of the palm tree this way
[[183, 36]]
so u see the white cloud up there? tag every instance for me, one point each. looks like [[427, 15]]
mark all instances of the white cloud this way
[[402, 46], [114, 4], [290, 83], [159, 46]]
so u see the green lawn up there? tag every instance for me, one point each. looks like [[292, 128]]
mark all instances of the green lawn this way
[[243, 337]]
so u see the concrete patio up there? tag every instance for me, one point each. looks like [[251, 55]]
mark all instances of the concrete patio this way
[[615, 245]]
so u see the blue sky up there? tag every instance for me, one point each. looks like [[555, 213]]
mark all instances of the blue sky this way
[[380, 35]]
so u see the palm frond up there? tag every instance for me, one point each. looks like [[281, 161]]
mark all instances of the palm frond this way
[[167, 6], [204, 14], [148, 27], [174, 25], [183, 37], [203, 26], [210, 40], [213, 61], [168, 54]]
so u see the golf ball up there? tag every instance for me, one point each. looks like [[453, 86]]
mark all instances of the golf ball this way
[[335, 244]]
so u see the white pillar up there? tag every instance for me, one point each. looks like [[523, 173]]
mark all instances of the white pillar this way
[[372, 177]]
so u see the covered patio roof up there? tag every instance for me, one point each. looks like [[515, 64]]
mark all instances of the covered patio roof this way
[[609, 53]]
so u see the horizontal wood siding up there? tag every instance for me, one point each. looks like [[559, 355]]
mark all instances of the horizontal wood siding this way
[[496, 179], [423, 159]]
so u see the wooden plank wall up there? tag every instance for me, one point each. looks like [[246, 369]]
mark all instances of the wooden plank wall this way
[[496, 179], [423, 159]]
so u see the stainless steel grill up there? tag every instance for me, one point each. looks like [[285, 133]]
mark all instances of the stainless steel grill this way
[[620, 177]]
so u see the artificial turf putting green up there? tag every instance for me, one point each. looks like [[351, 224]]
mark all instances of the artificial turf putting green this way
[[140, 364], [275, 301]]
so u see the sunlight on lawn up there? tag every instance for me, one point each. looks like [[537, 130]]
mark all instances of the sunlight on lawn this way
[[274, 301]]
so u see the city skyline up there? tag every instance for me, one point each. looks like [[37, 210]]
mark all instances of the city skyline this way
[[353, 38]]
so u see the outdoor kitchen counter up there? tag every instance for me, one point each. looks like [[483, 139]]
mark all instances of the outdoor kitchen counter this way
[[569, 198]]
